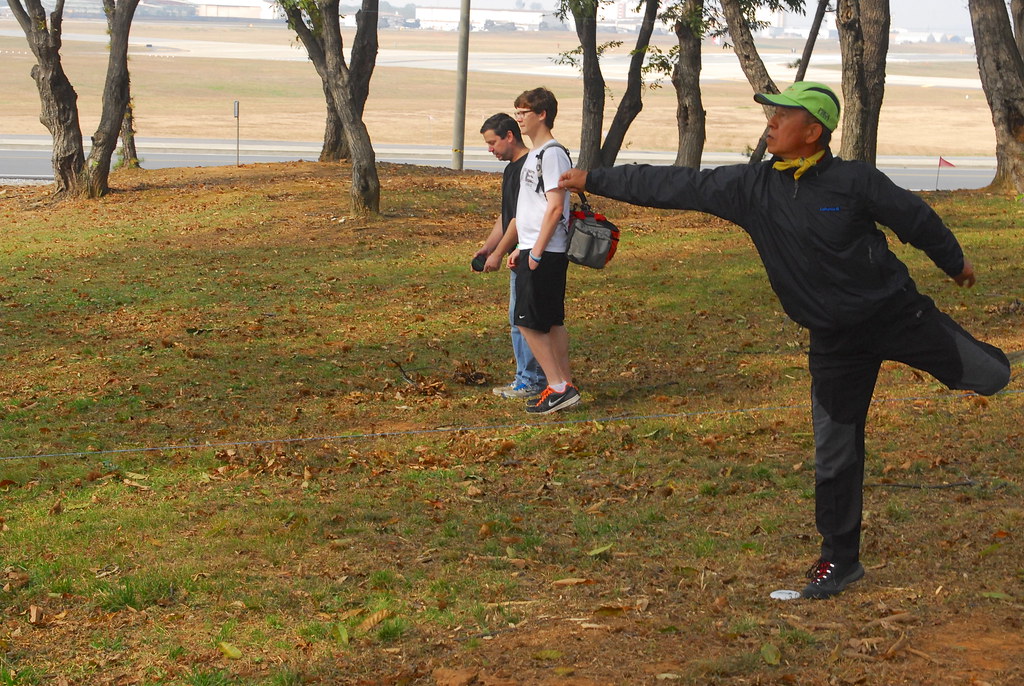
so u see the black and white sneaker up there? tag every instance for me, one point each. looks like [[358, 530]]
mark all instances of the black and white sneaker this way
[[551, 401], [829, 579]]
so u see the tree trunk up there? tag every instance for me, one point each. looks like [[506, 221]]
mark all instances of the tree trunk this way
[[116, 95], [364, 55], [750, 61], [363, 61], [335, 146], [58, 99], [864, 42], [346, 89], [1002, 77], [691, 118], [585, 15], [632, 100], [1017, 13], [129, 154], [365, 188], [746, 52]]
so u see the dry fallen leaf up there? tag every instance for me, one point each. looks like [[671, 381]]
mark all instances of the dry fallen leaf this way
[[611, 610], [373, 620], [16, 579], [572, 582]]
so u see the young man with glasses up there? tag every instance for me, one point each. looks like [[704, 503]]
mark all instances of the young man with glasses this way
[[540, 262]]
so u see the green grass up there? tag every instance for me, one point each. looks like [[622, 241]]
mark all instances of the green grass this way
[[314, 377]]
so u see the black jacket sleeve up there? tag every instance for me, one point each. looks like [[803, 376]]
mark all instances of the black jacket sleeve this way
[[913, 221], [714, 191]]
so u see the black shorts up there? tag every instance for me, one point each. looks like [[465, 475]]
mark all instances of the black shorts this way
[[540, 292]]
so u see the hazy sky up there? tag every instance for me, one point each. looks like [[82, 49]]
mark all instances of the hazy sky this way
[[940, 15], [915, 15]]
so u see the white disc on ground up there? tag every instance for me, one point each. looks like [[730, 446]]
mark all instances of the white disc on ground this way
[[785, 595]]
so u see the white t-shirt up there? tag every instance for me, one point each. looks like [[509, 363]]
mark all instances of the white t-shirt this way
[[532, 202]]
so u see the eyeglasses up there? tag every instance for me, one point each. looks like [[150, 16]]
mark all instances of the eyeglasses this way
[[520, 114]]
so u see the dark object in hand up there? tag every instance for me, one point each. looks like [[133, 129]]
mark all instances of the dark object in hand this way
[[478, 264]]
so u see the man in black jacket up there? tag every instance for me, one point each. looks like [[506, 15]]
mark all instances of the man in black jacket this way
[[812, 218]]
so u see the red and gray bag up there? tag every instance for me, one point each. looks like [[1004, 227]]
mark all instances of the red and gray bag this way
[[593, 239]]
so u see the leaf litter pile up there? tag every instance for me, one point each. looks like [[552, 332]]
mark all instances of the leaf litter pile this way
[[250, 439]]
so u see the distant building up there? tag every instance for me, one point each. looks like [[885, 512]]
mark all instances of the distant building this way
[[165, 9], [620, 17], [447, 19], [782, 24], [237, 9]]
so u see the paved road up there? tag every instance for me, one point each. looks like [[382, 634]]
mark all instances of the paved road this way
[[28, 157]]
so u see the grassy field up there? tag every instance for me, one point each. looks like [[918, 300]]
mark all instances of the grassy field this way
[[193, 97], [248, 439]]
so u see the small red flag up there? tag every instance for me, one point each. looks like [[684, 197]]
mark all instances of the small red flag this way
[[945, 163]]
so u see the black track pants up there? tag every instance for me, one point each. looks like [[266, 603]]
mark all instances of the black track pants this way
[[844, 368]]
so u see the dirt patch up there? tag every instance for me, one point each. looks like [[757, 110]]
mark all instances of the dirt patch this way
[[978, 648]]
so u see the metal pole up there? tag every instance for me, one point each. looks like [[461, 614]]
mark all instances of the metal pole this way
[[238, 131], [459, 128], [801, 70]]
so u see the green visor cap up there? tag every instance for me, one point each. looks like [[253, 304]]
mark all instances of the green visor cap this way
[[816, 98]]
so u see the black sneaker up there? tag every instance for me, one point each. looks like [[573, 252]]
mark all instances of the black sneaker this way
[[828, 579], [551, 401]]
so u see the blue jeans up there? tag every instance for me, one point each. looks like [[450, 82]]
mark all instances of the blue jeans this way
[[528, 371]]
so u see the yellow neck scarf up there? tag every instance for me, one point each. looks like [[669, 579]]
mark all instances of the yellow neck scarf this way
[[802, 164]]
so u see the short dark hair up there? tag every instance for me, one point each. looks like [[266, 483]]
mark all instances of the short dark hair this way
[[825, 139], [501, 124], [540, 100]]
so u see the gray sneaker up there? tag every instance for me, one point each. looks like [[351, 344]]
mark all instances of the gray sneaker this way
[[517, 390], [552, 401]]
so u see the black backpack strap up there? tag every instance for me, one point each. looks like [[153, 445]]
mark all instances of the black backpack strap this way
[[540, 166]]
